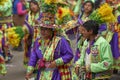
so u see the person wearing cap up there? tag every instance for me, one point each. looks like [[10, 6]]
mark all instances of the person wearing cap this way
[[52, 53], [96, 58]]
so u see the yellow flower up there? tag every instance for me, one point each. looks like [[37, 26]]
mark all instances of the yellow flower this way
[[62, 12], [10, 30], [50, 1], [104, 10], [14, 42], [105, 13], [109, 18]]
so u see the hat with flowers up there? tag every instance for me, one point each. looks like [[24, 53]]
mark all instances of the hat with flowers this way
[[55, 14]]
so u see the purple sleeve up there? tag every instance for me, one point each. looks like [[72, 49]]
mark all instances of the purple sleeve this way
[[19, 9], [33, 57], [40, 16], [114, 46], [65, 51]]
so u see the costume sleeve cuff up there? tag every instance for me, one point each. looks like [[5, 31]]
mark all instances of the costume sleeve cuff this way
[[30, 69], [59, 62], [3, 70]]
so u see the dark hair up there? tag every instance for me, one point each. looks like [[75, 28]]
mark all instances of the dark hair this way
[[91, 25], [34, 2], [82, 9], [97, 4], [92, 4]]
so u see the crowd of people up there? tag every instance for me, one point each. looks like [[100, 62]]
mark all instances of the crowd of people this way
[[47, 26]]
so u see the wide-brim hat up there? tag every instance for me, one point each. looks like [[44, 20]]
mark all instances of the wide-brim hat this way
[[48, 20], [70, 25]]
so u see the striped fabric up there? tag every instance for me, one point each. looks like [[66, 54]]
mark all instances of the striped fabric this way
[[65, 72]]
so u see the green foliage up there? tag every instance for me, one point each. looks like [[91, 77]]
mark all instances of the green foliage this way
[[95, 16], [52, 8], [20, 31]]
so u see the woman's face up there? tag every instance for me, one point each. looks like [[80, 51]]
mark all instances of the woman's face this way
[[45, 32], [33, 7], [88, 7]]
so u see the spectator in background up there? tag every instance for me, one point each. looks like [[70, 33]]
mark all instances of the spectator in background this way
[[31, 24], [19, 12]]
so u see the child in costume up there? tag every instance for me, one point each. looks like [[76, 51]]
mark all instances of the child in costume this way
[[96, 56]]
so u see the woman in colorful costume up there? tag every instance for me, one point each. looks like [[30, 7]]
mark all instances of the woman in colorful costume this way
[[5, 23], [32, 32], [96, 56], [52, 53]]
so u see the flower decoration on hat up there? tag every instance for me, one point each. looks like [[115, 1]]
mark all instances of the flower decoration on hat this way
[[63, 15], [50, 1], [103, 14], [48, 20], [55, 15]]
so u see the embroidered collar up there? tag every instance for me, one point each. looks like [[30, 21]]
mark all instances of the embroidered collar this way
[[88, 50]]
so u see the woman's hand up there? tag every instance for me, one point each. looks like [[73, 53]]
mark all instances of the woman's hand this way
[[52, 65]]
